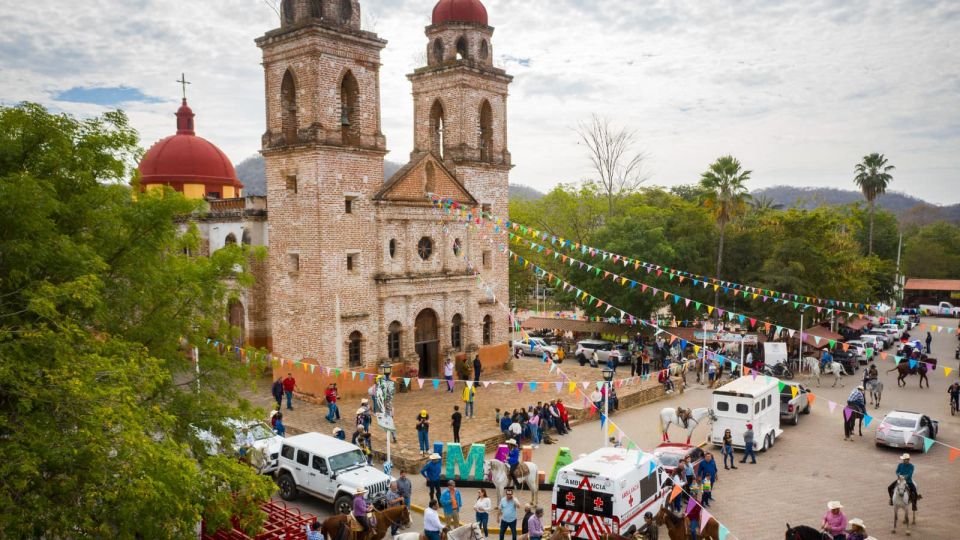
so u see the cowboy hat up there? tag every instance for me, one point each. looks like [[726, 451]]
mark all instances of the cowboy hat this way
[[860, 388], [512, 441], [360, 410], [364, 400], [905, 456], [360, 490], [858, 522], [336, 430], [834, 505], [434, 456]]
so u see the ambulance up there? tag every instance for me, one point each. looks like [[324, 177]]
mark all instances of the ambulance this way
[[607, 491]]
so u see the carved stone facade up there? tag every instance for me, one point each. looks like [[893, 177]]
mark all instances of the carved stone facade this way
[[362, 269]]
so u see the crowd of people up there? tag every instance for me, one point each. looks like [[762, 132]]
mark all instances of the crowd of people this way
[[534, 423]]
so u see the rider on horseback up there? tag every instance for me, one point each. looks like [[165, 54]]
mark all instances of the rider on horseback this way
[[870, 374], [825, 359], [856, 400], [360, 511], [683, 416], [905, 469], [954, 392], [513, 460]]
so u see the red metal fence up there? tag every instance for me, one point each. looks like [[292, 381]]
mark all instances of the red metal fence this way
[[283, 523]]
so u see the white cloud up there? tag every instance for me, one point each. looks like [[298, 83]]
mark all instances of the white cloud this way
[[797, 90]]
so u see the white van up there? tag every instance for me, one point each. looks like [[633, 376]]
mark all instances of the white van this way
[[743, 401], [607, 491]]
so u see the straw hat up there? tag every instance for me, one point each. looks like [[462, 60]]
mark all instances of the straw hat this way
[[905, 456], [364, 401], [434, 456], [512, 441], [858, 522], [336, 430], [360, 490], [834, 505]]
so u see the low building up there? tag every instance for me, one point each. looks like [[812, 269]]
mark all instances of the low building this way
[[930, 291]]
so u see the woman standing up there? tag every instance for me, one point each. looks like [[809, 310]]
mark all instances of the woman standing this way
[[727, 450], [423, 431], [534, 424], [482, 508]]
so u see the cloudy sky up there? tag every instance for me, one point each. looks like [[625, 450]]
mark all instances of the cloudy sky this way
[[799, 91]]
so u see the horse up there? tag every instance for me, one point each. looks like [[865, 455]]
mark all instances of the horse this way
[[561, 533], [398, 515], [802, 532], [677, 525], [920, 367], [902, 499], [669, 416], [848, 422], [498, 473], [874, 389], [813, 364]]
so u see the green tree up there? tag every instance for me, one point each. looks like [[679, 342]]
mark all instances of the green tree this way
[[726, 198], [873, 176], [98, 400], [932, 251]]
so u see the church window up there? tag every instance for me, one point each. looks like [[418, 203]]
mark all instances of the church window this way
[[393, 340], [230, 240], [355, 349], [392, 248], [437, 128], [456, 332], [316, 9], [457, 247], [352, 261], [486, 259], [291, 183], [438, 50], [348, 205], [462, 48], [487, 330], [425, 248], [346, 11], [486, 131], [430, 178], [350, 109], [288, 108], [287, 9], [487, 210], [484, 50], [213, 194], [293, 262], [246, 238]]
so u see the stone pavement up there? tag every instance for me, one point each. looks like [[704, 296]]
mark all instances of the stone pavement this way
[[439, 403]]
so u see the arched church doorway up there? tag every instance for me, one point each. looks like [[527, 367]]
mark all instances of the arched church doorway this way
[[427, 342]]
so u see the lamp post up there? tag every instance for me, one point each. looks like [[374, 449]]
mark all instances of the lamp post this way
[[386, 405], [743, 347], [607, 377]]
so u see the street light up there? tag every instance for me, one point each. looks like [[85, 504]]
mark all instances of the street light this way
[[386, 369], [607, 377]]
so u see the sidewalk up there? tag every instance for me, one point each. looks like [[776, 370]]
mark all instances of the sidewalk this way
[[503, 394]]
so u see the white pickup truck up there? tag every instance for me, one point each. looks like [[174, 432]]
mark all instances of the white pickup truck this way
[[943, 309]]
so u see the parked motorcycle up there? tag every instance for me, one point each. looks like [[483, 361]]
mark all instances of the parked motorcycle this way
[[780, 371]]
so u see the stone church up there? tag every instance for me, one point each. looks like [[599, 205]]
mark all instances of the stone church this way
[[363, 269]]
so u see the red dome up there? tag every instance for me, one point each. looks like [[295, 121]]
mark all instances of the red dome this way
[[185, 158], [469, 11]]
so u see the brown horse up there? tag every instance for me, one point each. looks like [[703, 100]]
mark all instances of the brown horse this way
[[677, 526], [561, 533], [398, 515], [920, 367]]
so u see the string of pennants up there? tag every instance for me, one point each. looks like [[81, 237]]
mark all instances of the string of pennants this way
[[477, 217]]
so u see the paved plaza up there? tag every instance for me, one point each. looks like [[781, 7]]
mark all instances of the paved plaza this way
[[810, 464]]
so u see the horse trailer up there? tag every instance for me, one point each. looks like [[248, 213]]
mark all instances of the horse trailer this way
[[747, 400], [606, 492]]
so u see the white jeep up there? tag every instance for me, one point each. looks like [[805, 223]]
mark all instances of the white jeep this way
[[329, 469]]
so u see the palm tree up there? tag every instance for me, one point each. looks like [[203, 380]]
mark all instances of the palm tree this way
[[873, 177], [726, 198], [765, 202]]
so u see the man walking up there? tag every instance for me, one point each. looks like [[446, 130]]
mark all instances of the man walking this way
[[476, 369], [404, 487], [451, 503], [289, 384], [748, 446], [331, 395], [277, 391], [431, 521], [455, 419], [507, 510], [394, 499], [431, 471]]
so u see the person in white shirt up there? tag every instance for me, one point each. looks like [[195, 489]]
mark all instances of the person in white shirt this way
[[516, 430], [482, 508], [597, 399], [431, 521], [448, 373]]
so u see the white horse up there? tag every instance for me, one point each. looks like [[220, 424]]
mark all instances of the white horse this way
[[875, 389], [813, 364], [470, 531], [901, 499], [669, 416], [498, 473]]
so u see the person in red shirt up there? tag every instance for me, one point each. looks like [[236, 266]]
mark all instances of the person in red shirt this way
[[289, 384], [564, 415], [331, 395]]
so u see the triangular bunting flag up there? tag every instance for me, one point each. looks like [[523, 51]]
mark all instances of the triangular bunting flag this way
[[927, 443]]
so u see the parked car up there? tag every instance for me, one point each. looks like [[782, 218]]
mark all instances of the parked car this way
[[943, 309], [893, 330], [791, 407], [585, 349], [905, 429], [848, 359], [264, 440], [534, 346], [328, 469], [858, 348], [668, 455], [877, 342], [883, 336]]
